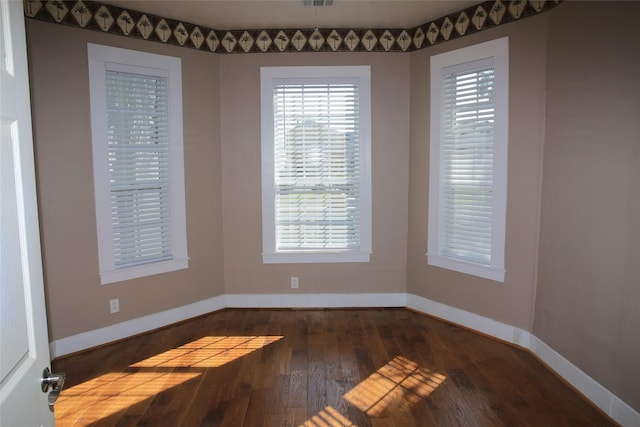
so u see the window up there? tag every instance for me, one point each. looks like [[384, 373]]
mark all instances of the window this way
[[136, 121], [316, 162], [468, 159]]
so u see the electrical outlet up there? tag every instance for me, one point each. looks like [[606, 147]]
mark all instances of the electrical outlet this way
[[114, 305], [294, 283]]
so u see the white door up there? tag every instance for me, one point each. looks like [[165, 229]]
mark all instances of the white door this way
[[24, 351]]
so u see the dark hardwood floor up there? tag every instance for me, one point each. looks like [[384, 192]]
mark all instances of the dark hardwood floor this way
[[315, 368]]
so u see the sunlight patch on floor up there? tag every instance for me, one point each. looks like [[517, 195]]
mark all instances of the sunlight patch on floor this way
[[101, 397], [207, 352], [397, 381], [328, 417]]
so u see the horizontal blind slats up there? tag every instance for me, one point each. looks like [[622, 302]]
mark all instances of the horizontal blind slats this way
[[138, 152], [316, 158], [467, 164]]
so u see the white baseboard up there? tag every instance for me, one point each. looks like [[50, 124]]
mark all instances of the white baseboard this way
[[473, 321], [609, 403], [315, 300], [132, 327]]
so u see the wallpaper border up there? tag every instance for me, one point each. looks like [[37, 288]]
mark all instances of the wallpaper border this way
[[101, 17]]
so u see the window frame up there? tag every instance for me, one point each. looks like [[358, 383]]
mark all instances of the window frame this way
[[498, 50], [100, 59], [269, 77]]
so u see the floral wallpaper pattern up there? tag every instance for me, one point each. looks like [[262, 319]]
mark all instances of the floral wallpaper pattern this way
[[96, 16]]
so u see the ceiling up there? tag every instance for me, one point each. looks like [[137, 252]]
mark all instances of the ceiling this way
[[271, 14]]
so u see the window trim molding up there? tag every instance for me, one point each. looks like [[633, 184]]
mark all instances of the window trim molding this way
[[100, 59], [268, 77], [498, 50]]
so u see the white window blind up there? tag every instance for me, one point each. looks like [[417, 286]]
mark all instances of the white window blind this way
[[316, 164], [138, 162], [317, 177], [467, 159], [138, 151]]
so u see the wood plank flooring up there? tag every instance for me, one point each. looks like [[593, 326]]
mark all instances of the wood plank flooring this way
[[315, 368]]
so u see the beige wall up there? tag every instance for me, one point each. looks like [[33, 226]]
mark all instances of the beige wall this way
[[240, 98], [214, 188], [76, 302], [512, 301], [588, 300]]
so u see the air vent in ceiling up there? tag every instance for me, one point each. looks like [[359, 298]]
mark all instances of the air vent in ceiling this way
[[318, 2]]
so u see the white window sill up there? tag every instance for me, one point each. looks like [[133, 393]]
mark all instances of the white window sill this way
[[143, 270], [467, 267], [314, 257]]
